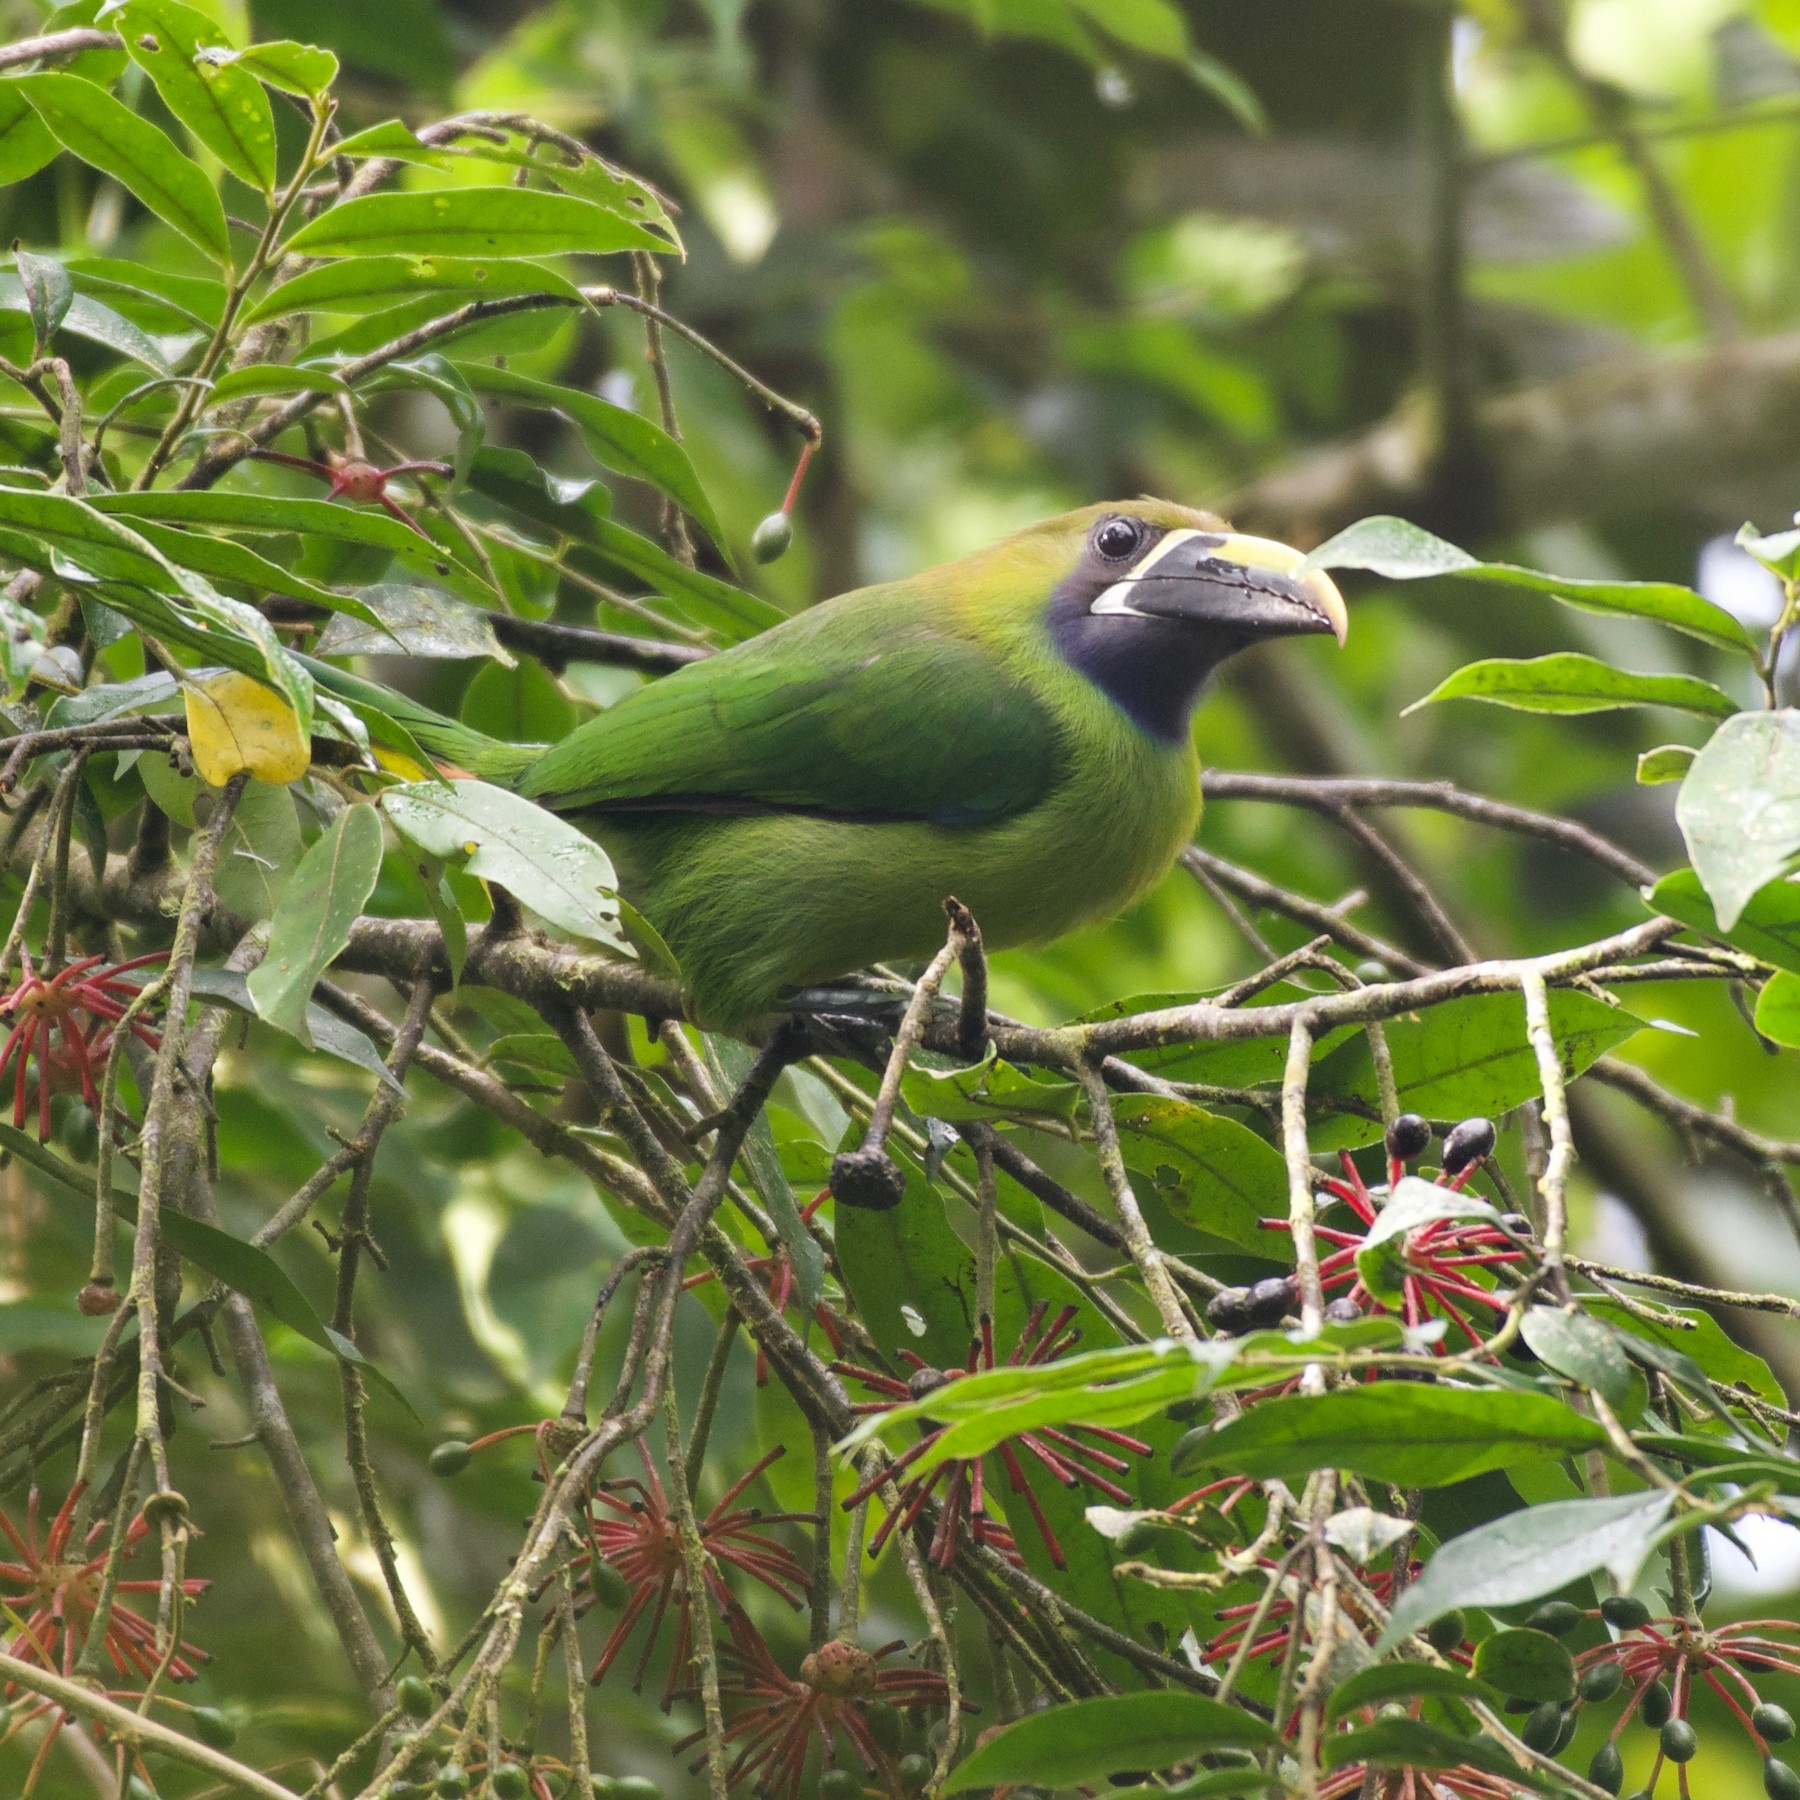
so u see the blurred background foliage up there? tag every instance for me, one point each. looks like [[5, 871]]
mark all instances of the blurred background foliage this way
[[1019, 255]]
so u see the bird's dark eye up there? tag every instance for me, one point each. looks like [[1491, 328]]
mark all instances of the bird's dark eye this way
[[1116, 539]]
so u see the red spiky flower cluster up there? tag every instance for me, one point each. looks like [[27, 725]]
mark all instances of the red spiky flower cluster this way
[[633, 1528], [1444, 1258], [1278, 1621], [1059, 1451], [1415, 1784], [784, 1714], [1659, 1659], [54, 1588], [79, 1004], [355, 478]]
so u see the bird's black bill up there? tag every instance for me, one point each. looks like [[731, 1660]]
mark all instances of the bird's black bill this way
[[1245, 586]]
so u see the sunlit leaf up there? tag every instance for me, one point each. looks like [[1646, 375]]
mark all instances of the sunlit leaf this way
[[1567, 682], [469, 221], [1739, 807]]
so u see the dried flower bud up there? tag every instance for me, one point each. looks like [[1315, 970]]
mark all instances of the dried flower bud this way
[[869, 1179]]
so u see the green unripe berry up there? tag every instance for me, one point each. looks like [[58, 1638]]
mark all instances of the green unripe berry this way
[[450, 1458], [509, 1782], [1557, 1617], [1607, 1769], [1445, 1634], [1773, 1723], [635, 1787], [1679, 1741], [452, 1782], [915, 1771], [769, 543], [1601, 1681], [1565, 1732], [885, 1725], [1624, 1612], [1658, 1703], [1779, 1781], [1542, 1725], [416, 1699], [839, 1784], [213, 1727], [606, 1584], [80, 1133]]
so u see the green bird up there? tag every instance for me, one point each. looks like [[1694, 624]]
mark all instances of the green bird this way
[[1011, 728]]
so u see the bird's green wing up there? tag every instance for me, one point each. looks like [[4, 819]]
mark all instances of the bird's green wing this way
[[865, 710]]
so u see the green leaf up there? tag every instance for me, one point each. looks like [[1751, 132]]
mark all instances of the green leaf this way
[[1381, 1261], [88, 122], [1667, 762], [1403, 552], [543, 861], [48, 293], [1696, 1351], [1528, 1554], [1153, 26], [366, 283], [259, 851], [1402, 1432], [274, 378], [1464, 1059], [1526, 1664], [312, 924], [1768, 926], [1778, 1009], [1088, 1740], [470, 221], [303, 517], [579, 510], [1580, 1347], [224, 559], [25, 141], [403, 619], [302, 69], [99, 324], [1381, 1682], [1567, 682], [617, 439], [1739, 808], [330, 1034], [221, 103], [1413, 1744], [1210, 1172], [910, 1276]]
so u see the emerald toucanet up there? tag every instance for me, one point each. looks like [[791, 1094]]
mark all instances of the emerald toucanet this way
[[1012, 728]]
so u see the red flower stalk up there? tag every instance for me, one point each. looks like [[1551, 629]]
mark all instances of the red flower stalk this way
[[965, 1497], [776, 1729], [637, 1533], [777, 1271], [57, 1593], [1415, 1784], [1278, 1622], [353, 478], [79, 1004], [1443, 1258]]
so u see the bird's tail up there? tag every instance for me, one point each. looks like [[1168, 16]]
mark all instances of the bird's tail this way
[[444, 739]]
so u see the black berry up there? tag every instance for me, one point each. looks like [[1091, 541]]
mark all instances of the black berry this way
[[1607, 1770], [1470, 1142], [1408, 1137], [1557, 1617], [1679, 1741], [1775, 1723]]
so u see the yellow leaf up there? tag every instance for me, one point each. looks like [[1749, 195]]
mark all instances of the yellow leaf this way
[[397, 762], [237, 724]]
